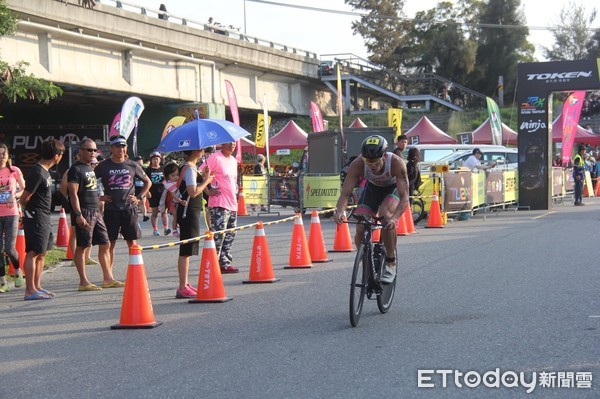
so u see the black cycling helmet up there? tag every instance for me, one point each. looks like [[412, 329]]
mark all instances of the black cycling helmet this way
[[374, 147]]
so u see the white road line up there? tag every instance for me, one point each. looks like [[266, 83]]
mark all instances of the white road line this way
[[545, 214]]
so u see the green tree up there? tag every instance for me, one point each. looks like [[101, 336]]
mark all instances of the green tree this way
[[594, 45], [15, 83], [573, 39], [500, 48]]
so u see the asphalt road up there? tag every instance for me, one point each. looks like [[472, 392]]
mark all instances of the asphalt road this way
[[512, 292]]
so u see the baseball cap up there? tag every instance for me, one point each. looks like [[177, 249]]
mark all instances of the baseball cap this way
[[477, 151], [155, 154], [118, 140]]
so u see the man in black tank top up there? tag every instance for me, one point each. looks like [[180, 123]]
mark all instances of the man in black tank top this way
[[386, 194]]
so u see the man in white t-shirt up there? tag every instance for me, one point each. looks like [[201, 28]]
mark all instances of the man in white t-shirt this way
[[474, 161]]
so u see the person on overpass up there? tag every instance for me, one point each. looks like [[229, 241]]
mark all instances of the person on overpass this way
[[385, 193]]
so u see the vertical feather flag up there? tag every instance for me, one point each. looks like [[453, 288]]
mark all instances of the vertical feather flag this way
[[261, 138], [495, 121], [395, 120], [115, 127], [267, 122], [571, 113], [130, 113], [235, 115], [316, 117], [172, 124]]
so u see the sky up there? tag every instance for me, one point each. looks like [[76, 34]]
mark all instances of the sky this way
[[327, 33]]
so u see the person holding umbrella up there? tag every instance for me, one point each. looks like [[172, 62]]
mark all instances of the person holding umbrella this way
[[191, 185]]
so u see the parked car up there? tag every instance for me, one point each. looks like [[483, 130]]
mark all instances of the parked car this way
[[504, 158], [327, 68]]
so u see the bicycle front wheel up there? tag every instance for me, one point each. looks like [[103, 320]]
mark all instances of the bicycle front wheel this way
[[358, 285], [384, 300], [417, 209]]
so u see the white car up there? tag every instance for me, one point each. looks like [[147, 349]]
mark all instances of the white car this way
[[507, 158]]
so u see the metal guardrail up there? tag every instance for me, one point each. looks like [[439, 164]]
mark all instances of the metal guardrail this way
[[215, 27]]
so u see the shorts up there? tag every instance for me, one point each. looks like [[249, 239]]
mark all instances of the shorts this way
[[96, 235], [37, 234], [373, 196], [124, 221], [189, 227], [154, 200]]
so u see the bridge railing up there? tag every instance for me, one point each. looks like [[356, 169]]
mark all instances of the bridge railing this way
[[214, 27]]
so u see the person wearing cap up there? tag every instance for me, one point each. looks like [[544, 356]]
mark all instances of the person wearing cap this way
[[117, 174], [138, 189], [474, 161], [156, 176], [401, 143]]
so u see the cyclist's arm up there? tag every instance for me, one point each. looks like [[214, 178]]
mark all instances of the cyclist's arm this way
[[399, 172], [355, 172]]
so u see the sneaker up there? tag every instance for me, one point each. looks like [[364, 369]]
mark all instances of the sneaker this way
[[19, 280], [167, 232], [191, 287], [146, 218], [389, 275], [187, 292], [155, 233], [229, 270], [175, 233], [4, 288]]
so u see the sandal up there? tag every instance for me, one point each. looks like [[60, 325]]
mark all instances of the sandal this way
[[113, 284], [36, 296], [89, 287]]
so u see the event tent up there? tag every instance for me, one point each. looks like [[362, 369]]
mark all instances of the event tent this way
[[291, 136], [248, 145], [483, 134], [357, 124], [581, 135], [425, 132]]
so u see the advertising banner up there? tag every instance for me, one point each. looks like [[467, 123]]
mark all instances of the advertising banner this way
[[568, 179], [255, 190], [284, 190], [459, 191], [511, 188], [321, 191], [557, 182], [494, 187], [478, 193]]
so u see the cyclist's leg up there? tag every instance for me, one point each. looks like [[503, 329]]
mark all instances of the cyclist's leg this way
[[367, 205], [389, 237]]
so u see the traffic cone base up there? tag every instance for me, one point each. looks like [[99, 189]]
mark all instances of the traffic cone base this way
[[435, 215], [342, 241], [136, 309], [210, 281], [299, 253], [261, 269], [597, 191], [316, 243]]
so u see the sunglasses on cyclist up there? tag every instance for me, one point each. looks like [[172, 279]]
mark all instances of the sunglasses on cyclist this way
[[372, 161], [90, 149]]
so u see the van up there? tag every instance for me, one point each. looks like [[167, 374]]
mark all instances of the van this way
[[503, 158], [430, 153]]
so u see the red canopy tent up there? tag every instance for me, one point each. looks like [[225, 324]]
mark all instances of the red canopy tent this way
[[581, 135], [483, 134], [291, 136], [248, 145], [425, 132], [357, 124]]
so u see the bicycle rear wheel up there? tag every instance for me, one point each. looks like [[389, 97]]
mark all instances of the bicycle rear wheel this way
[[384, 300], [418, 210], [358, 286]]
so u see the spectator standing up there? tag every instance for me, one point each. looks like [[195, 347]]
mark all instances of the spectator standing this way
[[163, 15], [117, 174], [557, 161], [579, 174], [191, 186], [412, 170], [10, 177], [87, 219], [37, 201], [222, 202], [156, 176], [139, 184], [401, 143]]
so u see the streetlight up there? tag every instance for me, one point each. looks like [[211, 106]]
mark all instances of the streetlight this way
[[245, 17]]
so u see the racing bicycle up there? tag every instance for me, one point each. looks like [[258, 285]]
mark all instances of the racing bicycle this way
[[368, 267]]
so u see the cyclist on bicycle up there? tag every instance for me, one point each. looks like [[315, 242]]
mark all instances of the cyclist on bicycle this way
[[386, 194]]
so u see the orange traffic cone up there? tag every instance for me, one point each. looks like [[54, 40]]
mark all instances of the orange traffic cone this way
[[342, 241], [20, 246], [299, 254], [210, 281], [136, 310], [597, 191], [62, 235], [69, 255], [435, 215], [410, 225], [241, 211], [401, 226], [587, 192], [261, 269], [316, 243]]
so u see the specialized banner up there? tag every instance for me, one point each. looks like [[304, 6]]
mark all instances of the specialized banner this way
[[321, 191], [172, 124], [395, 120], [495, 121], [235, 116], [261, 138], [571, 113], [316, 117]]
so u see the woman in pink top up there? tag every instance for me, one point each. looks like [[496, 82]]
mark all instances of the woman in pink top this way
[[10, 176]]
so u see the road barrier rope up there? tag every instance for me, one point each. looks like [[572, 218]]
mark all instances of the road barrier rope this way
[[239, 228]]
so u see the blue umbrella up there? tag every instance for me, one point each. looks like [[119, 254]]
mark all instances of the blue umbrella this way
[[199, 134]]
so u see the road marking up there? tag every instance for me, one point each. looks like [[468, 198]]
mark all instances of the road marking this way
[[545, 214]]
